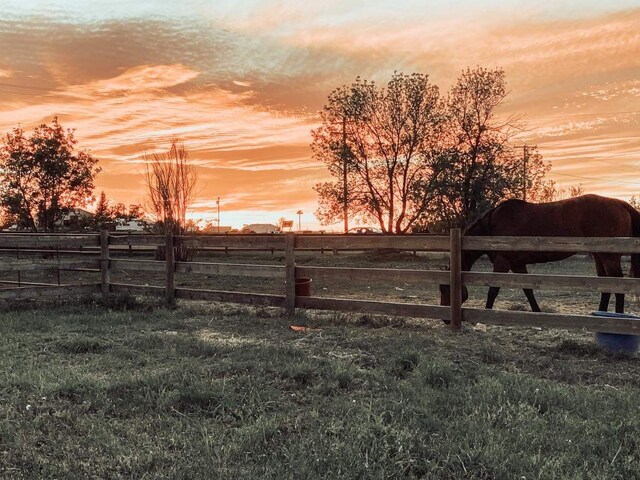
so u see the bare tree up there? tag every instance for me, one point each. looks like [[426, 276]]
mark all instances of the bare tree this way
[[171, 183]]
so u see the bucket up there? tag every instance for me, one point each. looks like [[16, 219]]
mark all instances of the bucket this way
[[303, 287], [617, 342]]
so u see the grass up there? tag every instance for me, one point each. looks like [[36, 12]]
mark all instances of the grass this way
[[127, 389]]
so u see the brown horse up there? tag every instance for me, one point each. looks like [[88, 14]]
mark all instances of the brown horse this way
[[585, 216]]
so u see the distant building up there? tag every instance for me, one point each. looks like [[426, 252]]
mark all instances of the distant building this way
[[76, 217], [132, 226], [260, 228]]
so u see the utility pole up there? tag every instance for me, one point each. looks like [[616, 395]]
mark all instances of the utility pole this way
[[525, 160], [218, 203], [345, 207]]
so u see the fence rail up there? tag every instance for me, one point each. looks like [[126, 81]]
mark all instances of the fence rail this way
[[103, 246], [554, 244]]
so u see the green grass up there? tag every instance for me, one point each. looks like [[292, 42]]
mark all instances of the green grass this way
[[127, 389]]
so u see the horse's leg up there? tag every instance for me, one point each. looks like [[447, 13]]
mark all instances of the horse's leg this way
[[613, 268], [499, 266], [604, 296], [527, 291]]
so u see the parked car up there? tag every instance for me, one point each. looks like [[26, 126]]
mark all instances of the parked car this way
[[364, 230]]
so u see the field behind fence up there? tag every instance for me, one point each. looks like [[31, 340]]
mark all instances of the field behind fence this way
[[98, 255]]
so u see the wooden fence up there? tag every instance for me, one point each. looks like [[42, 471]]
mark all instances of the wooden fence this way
[[106, 244]]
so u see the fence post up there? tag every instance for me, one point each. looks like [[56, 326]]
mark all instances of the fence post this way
[[105, 279], [455, 278], [290, 267], [170, 292]]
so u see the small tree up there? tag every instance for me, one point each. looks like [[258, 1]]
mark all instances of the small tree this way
[[102, 213], [171, 182], [119, 210], [43, 176], [135, 212], [552, 193]]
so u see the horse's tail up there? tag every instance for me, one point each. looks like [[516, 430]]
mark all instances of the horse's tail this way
[[635, 232]]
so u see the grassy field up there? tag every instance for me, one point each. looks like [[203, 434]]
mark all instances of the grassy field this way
[[129, 389]]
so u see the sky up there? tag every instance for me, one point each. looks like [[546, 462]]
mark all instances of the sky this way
[[241, 82]]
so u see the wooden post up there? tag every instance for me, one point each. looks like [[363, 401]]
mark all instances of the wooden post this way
[[105, 279], [290, 268], [455, 277], [170, 291]]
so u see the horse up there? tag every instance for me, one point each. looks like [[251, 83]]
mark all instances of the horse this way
[[583, 216]]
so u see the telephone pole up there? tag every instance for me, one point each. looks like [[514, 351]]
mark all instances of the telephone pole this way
[[345, 191], [525, 160], [218, 203]]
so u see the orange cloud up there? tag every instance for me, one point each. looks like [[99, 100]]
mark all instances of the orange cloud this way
[[144, 78]]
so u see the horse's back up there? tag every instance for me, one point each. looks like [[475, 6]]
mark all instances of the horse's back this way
[[584, 216]]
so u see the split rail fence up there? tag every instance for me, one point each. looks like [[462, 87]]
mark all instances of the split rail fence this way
[[82, 251]]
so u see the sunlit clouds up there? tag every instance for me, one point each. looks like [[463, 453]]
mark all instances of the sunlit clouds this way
[[240, 83]]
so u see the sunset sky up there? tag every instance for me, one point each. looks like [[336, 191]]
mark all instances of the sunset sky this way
[[241, 81]]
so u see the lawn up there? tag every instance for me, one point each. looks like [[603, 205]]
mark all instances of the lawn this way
[[129, 389]]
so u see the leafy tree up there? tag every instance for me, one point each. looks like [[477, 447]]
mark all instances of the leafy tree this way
[[192, 226], [135, 212], [210, 227], [408, 160], [43, 177], [480, 167], [379, 143], [119, 210], [103, 211]]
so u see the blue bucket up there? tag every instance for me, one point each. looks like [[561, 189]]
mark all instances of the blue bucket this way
[[617, 342]]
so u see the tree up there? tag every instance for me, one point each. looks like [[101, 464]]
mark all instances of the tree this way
[[119, 210], [379, 143], [135, 212], [43, 177], [551, 193], [192, 226], [171, 182], [479, 166], [102, 213]]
